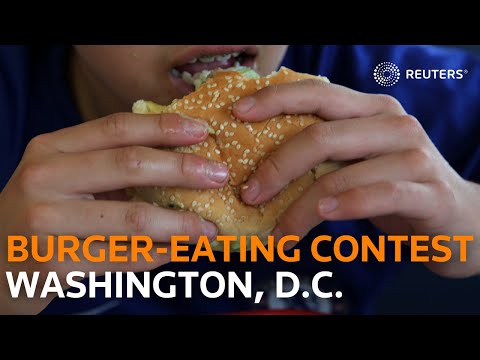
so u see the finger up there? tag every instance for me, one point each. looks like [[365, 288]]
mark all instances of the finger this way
[[125, 129], [337, 140], [132, 166], [328, 101], [417, 201], [100, 257], [83, 218]]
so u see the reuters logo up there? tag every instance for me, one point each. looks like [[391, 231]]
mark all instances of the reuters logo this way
[[386, 73]]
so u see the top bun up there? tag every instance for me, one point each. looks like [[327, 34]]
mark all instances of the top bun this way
[[241, 146]]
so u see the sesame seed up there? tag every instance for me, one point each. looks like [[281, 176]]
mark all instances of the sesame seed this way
[[209, 105], [238, 147], [212, 200], [194, 203], [205, 144], [217, 106], [244, 187], [217, 151], [277, 142], [204, 107], [234, 125], [281, 137], [300, 188], [193, 99], [207, 205], [267, 82], [227, 145], [208, 154], [214, 123], [279, 126], [172, 198], [234, 142]]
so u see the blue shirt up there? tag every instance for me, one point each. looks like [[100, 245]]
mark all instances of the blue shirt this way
[[35, 98]]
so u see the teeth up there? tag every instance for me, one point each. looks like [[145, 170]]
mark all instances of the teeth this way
[[211, 58], [223, 58], [187, 77], [206, 59]]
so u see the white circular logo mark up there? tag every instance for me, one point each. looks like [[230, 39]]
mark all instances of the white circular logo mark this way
[[386, 73]]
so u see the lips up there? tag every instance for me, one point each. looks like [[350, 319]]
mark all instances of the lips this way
[[206, 60]]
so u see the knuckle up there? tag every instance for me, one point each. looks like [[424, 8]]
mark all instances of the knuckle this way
[[271, 168], [39, 143], [137, 217], [334, 183], [320, 133], [185, 164], [392, 189], [408, 126], [389, 104], [446, 192], [129, 159], [419, 159], [189, 223], [116, 125], [31, 176]]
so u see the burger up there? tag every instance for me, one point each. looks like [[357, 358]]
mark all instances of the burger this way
[[241, 146]]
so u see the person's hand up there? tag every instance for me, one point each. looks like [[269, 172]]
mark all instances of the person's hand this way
[[398, 179], [69, 182]]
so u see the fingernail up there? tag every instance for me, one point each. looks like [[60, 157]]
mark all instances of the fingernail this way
[[209, 229], [251, 190], [216, 171], [327, 205], [195, 128], [245, 104]]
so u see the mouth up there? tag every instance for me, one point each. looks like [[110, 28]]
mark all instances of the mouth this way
[[192, 68]]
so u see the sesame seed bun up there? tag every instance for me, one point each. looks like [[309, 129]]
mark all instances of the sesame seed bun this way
[[241, 146]]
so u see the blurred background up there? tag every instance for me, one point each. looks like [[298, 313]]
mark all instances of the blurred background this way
[[418, 291]]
